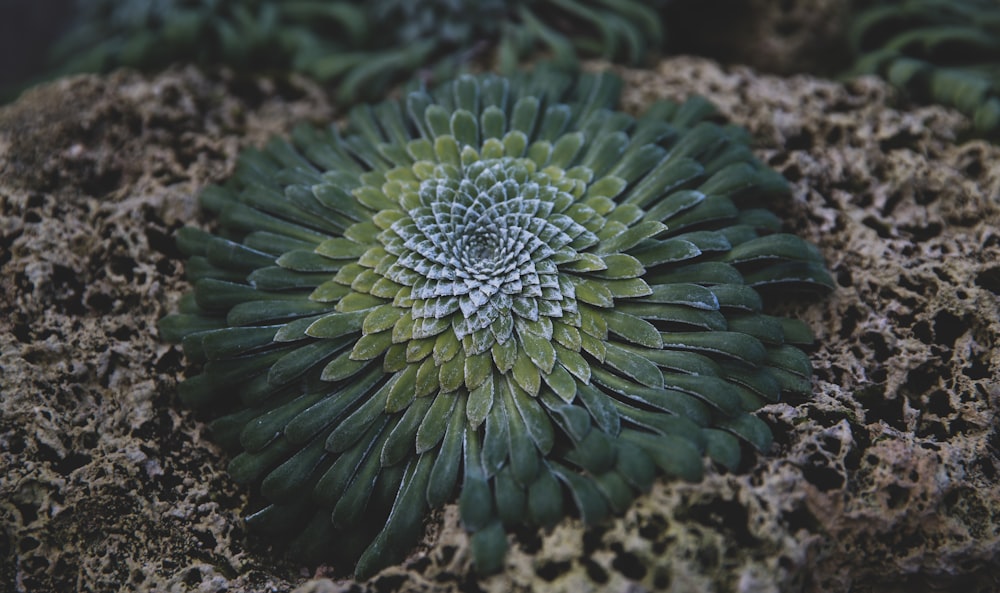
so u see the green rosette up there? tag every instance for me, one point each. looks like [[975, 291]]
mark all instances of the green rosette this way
[[502, 291]]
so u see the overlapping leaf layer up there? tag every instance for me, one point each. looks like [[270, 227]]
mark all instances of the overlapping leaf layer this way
[[501, 290]]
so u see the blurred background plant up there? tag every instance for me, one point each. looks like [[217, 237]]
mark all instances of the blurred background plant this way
[[935, 51], [940, 51], [362, 47]]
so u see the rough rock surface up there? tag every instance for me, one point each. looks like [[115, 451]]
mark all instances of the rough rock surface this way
[[885, 480]]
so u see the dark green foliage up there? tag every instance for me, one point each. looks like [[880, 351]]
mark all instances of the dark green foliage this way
[[361, 45], [943, 51], [501, 291]]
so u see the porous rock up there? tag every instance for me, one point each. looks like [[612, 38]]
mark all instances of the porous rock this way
[[884, 480]]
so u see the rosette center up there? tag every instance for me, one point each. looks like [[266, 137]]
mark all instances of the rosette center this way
[[484, 236]]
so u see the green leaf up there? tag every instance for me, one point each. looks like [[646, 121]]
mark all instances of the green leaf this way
[[489, 547], [566, 149], [750, 429], [796, 331], [561, 382], [256, 312], [592, 292], [477, 368], [601, 409], [405, 522], [343, 367], [655, 253], [355, 425], [710, 320], [585, 494], [585, 262], [704, 273], [444, 473], [296, 363], [716, 391], [791, 359], [233, 341], [452, 373], [668, 400], [573, 362], [401, 442], [333, 325], [505, 355], [307, 261], [329, 291], [545, 499], [403, 390], [286, 481], [676, 456], [251, 466], [737, 296], [777, 246], [371, 346], [615, 490], [633, 329], [732, 344], [536, 422], [631, 237], [573, 420], [496, 443], [595, 453], [213, 294], [809, 273], [327, 410], [765, 328], [524, 460], [620, 265], [676, 202], [382, 318], [723, 448], [760, 380], [480, 401], [633, 366], [539, 350], [671, 173], [436, 421], [475, 503], [635, 466], [525, 372], [465, 128], [511, 498], [427, 381]]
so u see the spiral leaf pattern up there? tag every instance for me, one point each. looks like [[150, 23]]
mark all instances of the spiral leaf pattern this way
[[502, 290]]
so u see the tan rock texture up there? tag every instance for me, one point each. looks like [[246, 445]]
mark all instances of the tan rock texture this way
[[885, 480]]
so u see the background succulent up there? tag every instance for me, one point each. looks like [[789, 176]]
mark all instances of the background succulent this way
[[258, 34], [945, 51], [363, 46], [501, 288]]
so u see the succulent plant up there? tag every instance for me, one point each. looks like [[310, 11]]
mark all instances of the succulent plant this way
[[943, 51], [152, 34], [362, 46], [501, 289]]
